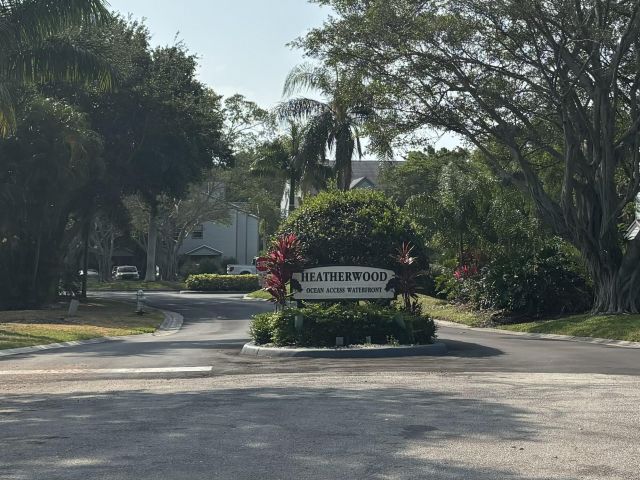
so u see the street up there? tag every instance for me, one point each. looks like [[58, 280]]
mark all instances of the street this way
[[498, 406]]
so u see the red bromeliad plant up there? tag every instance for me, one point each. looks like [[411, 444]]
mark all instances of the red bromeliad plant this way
[[283, 259], [406, 277], [465, 271]]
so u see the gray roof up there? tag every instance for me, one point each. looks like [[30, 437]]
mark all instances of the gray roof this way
[[368, 169]]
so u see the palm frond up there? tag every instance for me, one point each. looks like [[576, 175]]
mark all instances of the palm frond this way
[[273, 159], [33, 21], [306, 77], [300, 109], [317, 132], [59, 60]]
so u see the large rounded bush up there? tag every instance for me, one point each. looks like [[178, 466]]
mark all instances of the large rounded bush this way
[[358, 227]]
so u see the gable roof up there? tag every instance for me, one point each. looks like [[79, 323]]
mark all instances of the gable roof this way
[[361, 182], [204, 250], [360, 169]]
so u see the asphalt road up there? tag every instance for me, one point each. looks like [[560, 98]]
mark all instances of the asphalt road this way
[[497, 407], [216, 327]]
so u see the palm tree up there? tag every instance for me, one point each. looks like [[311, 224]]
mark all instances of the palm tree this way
[[286, 156], [334, 124], [34, 47]]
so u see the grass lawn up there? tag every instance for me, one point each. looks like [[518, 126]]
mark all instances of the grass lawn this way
[[616, 327], [96, 318], [443, 310], [131, 285], [259, 294]]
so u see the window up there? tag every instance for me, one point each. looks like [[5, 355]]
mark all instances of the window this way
[[198, 232]]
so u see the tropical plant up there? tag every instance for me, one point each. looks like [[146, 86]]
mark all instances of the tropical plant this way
[[286, 156], [36, 48], [283, 259], [333, 124], [405, 281], [43, 167]]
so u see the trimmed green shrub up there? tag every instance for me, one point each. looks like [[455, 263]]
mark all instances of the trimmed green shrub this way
[[322, 323], [260, 328], [358, 227], [543, 283], [222, 283]]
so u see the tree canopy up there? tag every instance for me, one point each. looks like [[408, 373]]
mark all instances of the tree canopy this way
[[535, 86], [37, 48]]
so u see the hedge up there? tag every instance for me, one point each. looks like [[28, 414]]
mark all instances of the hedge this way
[[222, 283], [323, 323]]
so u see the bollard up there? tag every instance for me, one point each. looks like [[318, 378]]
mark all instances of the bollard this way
[[73, 307], [140, 302]]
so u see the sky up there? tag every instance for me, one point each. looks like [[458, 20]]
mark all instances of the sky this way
[[241, 44]]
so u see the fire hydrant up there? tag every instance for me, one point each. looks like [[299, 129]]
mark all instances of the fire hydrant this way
[[140, 302]]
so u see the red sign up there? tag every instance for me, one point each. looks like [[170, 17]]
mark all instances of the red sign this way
[[261, 264]]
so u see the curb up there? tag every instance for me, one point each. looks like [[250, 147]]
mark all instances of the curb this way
[[247, 297], [546, 336], [133, 292], [211, 292], [171, 324], [438, 348]]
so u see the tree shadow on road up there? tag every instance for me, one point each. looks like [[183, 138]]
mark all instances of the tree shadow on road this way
[[268, 433]]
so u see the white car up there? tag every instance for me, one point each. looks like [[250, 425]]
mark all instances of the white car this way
[[126, 272], [90, 273], [241, 270]]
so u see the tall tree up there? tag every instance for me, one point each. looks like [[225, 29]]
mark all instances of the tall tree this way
[[52, 155], [36, 48], [286, 157], [182, 134], [334, 123], [535, 86]]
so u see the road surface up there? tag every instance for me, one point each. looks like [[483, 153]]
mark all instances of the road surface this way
[[497, 407]]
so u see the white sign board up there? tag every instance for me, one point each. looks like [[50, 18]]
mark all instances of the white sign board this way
[[342, 283]]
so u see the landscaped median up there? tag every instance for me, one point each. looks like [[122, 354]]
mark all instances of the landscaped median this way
[[614, 327], [95, 318], [342, 330]]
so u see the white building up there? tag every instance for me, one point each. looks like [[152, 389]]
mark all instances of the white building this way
[[238, 239]]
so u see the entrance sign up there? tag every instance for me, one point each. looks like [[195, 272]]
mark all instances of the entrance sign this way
[[342, 283]]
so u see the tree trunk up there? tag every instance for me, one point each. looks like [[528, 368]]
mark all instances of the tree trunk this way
[[150, 274], [36, 268], [292, 194], [616, 292]]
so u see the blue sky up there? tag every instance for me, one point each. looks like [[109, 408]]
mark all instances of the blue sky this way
[[241, 43]]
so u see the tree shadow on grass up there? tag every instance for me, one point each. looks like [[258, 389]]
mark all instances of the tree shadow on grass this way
[[268, 433]]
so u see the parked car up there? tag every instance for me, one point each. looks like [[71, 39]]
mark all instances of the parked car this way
[[236, 269], [90, 273], [126, 272]]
